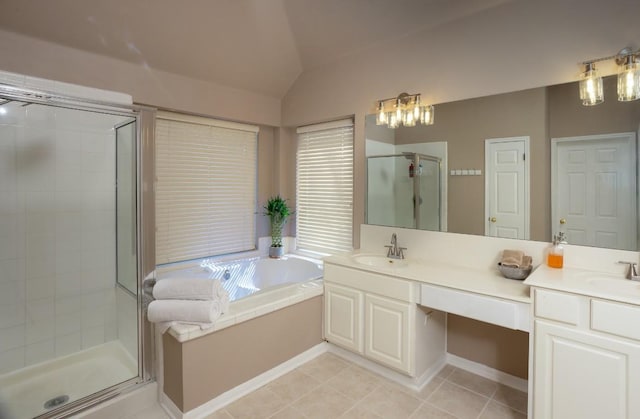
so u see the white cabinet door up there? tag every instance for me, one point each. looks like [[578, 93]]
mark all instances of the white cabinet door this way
[[387, 332], [584, 375], [343, 317]]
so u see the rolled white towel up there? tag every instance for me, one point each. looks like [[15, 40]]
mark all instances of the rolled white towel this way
[[188, 289], [188, 311]]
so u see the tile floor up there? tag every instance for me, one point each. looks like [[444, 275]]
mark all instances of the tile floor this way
[[331, 387]]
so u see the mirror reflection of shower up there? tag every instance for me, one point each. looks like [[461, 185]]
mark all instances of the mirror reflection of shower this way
[[405, 190]]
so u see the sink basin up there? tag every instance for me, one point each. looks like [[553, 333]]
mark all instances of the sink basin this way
[[379, 261], [615, 285]]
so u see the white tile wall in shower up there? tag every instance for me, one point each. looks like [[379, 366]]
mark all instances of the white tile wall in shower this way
[[57, 233]]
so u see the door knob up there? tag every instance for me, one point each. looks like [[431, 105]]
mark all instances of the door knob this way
[[493, 219], [563, 221]]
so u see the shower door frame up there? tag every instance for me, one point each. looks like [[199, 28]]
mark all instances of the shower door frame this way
[[144, 117]]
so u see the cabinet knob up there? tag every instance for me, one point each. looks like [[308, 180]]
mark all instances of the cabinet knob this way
[[563, 221], [493, 219]]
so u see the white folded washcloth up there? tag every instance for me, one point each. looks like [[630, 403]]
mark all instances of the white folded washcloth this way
[[188, 311], [188, 289]]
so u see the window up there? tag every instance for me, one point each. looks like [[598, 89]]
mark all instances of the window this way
[[324, 187], [206, 187]]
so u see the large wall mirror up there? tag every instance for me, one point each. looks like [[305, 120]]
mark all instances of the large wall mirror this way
[[524, 165]]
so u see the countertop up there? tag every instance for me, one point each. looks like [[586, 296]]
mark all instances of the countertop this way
[[479, 281], [604, 285]]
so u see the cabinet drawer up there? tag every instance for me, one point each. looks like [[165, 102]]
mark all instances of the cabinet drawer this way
[[371, 282], [557, 306], [615, 318]]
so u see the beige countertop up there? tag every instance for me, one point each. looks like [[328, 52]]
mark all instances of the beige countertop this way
[[591, 283], [479, 281]]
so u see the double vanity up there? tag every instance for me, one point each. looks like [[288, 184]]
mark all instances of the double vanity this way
[[584, 357]]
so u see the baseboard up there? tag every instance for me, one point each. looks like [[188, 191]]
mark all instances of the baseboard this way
[[488, 372], [245, 388]]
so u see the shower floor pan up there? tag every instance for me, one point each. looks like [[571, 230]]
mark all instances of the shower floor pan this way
[[26, 392]]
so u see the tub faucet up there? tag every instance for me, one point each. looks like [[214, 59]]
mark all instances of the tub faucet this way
[[632, 273], [226, 275], [394, 251]]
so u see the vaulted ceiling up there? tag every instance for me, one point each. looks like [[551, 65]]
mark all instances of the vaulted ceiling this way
[[258, 45]]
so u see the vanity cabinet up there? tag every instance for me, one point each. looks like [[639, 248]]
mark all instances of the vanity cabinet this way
[[377, 316], [585, 350]]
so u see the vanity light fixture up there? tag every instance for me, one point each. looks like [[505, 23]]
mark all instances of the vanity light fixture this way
[[406, 110], [628, 78]]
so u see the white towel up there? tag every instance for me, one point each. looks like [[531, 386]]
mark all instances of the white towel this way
[[188, 311], [188, 289]]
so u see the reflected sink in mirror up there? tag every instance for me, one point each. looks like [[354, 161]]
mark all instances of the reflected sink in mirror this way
[[614, 285], [379, 261]]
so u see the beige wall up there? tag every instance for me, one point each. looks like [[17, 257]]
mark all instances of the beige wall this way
[[465, 125], [33, 57], [497, 347], [201, 369], [568, 118]]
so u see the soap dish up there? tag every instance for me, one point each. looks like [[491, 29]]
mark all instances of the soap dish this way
[[513, 272]]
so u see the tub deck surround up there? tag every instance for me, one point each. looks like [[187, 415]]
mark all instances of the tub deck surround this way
[[249, 308]]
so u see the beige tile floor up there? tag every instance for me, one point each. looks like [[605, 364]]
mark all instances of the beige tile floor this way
[[331, 387]]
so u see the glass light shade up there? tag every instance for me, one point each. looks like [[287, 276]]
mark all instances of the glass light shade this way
[[399, 109], [382, 116], [416, 108], [409, 120], [591, 86], [426, 116], [629, 80], [393, 120]]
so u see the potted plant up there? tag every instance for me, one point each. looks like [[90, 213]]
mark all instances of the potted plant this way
[[278, 212]]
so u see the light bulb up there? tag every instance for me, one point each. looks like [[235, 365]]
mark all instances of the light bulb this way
[[382, 116], [393, 121], [409, 120], [591, 86], [398, 110], [629, 80], [416, 108]]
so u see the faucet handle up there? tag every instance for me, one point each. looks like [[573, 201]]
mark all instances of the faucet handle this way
[[631, 273], [390, 251], [401, 252]]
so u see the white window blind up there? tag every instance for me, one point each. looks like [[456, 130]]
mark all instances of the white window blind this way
[[206, 187], [324, 187]]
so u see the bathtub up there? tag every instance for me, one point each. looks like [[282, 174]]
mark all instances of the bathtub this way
[[256, 286], [245, 277]]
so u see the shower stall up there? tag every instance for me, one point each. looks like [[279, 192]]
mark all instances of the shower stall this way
[[404, 190], [72, 254]]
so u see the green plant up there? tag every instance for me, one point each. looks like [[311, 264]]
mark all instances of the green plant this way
[[278, 212]]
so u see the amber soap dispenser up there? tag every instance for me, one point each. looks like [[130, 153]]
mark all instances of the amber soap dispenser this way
[[555, 257]]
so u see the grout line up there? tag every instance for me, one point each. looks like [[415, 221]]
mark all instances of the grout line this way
[[484, 408]]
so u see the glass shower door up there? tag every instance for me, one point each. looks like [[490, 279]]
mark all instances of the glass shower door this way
[[429, 195]]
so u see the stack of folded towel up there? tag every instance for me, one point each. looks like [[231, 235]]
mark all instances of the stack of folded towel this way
[[187, 300], [515, 259]]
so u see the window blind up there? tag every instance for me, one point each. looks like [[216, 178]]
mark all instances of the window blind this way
[[205, 187], [324, 187]]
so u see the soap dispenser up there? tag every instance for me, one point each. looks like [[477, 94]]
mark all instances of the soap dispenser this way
[[555, 258]]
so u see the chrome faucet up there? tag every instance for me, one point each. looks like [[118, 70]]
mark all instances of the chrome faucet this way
[[632, 273], [394, 251]]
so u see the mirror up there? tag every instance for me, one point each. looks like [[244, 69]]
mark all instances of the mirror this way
[[553, 165]]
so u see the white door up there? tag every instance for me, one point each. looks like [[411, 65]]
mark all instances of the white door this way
[[343, 321], [584, 375], [387, 332], [593, 196], [507, 188]]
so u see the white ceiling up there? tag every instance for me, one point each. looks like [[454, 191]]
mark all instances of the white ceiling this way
[[258, 45]]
